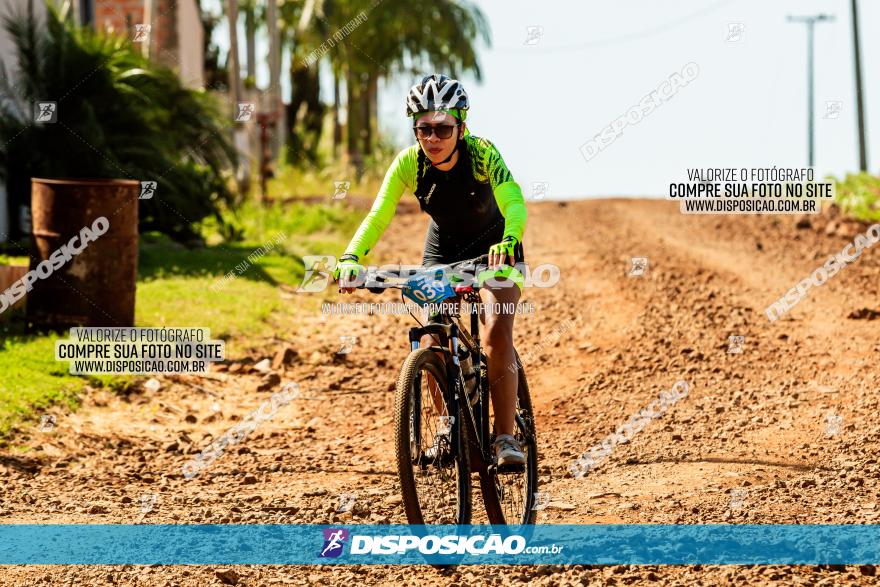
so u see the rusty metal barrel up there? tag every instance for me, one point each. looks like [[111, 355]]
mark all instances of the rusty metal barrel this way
[[83, 253]]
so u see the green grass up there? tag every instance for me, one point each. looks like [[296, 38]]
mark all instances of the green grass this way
[[174, 289], [32, 380], [858, 195]]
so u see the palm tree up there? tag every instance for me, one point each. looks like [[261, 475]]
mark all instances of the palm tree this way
[[393, 41], [442, 37]]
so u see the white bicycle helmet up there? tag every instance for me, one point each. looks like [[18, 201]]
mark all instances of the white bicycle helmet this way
[[436, 92]]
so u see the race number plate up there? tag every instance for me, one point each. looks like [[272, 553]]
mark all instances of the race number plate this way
[[428, 288]]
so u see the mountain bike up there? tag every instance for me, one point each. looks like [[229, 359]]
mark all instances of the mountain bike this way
[[442, 436]]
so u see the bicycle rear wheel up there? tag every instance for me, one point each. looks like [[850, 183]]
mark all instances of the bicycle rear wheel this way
[[435, 483], [510, 496]]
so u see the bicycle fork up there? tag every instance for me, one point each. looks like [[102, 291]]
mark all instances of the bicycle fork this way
[[448, 336]]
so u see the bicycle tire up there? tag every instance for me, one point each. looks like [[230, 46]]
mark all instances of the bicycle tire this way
[[418, 361], [494, 508]]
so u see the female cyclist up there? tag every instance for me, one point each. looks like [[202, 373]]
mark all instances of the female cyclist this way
[[475, 207]]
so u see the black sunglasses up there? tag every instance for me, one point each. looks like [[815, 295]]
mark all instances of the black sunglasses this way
[[443, 131]]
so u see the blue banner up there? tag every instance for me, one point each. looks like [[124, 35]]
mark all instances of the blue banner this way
[[233, 544]]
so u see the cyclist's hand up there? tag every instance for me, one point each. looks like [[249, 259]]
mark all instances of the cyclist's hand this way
[[503, 252], [347, 270]]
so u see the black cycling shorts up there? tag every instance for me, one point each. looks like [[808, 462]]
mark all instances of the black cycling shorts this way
[[444, 249]]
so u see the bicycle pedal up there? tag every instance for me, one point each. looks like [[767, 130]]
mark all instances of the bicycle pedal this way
[[509, 468]]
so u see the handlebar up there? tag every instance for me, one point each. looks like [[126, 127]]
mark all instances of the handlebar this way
[[385, 277]]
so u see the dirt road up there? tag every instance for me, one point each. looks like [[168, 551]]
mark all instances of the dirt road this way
[[784, 432]]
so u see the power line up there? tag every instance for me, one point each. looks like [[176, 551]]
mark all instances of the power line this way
[[627, 37]]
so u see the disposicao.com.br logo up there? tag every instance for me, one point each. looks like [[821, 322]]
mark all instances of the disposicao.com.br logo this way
[[335, 538]]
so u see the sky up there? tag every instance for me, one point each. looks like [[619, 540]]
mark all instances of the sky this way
[[590, 61]]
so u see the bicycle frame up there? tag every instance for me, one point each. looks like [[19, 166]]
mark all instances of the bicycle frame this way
[[451, 337]]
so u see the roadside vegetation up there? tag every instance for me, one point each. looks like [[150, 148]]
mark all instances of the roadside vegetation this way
[[174, 288], [858, 195]]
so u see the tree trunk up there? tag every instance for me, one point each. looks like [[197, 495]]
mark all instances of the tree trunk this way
[[354, 122], [305, 112], [235, 95], [232, 64], [278, 137], [314, 118], [250, 31], [337, 127], [369, 104], [294, 138]]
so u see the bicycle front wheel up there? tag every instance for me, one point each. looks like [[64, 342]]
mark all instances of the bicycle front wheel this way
[[434, 473]]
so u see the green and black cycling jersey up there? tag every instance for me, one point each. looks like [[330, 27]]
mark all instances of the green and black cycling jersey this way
[[472, 206]]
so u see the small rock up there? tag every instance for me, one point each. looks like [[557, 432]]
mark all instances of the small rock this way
[[190, 419], [97, 509], [864, 314], [831, 227], [249, 480], [847, 229], [803, 222], [268, 382], [264, 366], [284, 356], [171, 446], [228, 576], [235, 367], [832, 211], [604, 494], [152, 385], [560, 505], [393, 500]]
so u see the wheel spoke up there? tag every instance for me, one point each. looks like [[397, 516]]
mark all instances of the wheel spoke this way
[[436, 477], [513, 488]]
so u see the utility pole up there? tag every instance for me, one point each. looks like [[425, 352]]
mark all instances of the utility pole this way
[[810, 21], [860, 109]]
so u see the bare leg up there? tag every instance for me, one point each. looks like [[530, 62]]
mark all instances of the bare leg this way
[[497, 335], [439, 407]]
